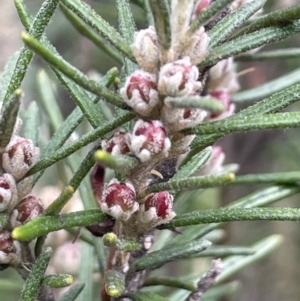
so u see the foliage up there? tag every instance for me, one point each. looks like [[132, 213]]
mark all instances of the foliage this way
[[150, 140]]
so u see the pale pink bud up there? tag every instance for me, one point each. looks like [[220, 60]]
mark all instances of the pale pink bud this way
[[146, 49], [149, 138], [117, 144], [223, 76], [224, 98], [19, 156], [29, 208], [8, 193], [200, 6], [6, 242], [24, 187], [176, 119], [196, 46], [157, 209], [118, 200], [178, 78], [214, 165], [140, 92]]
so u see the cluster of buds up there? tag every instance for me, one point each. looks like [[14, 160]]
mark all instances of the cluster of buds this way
[[148, 139], [17, 158], [166, 77], [119, 201]]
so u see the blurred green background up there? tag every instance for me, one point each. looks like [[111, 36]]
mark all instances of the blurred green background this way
[[272, 279]]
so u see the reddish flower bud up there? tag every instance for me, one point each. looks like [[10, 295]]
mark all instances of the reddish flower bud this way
[[19, 156], [97, 181], [29, 208], [177, 119], [157, 209], [200, 6], [178, 78], [117, 144], [148, 139], [140, 92], [8, 193], [118, 200], [146, 49], [224, 97], [6, 242]]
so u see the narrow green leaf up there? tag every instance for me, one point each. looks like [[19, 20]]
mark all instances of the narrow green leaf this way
[[121, 162], [248, 123], [46, 224], [89, 16], [279, 54], [74, 119], [262, 248], [57, 281], [146, 296], [127, 28], [283, 82], [65, 151], [195, 162], [157, 259], [222, 251], [250, 41], [48, 100], [9, 114], [171, 282], [187, 184], [207, 14], [71, 72], [161, 17], [59, 202], [233, 214], [83, 101], [114, 283], [8, 74], [36, 30], [33, 282], [85, 271], [277, 177], [226, 27], [86, 31], [207, 103], [276, 18], [72, 293], [221, 291], [258, 198], [31, 123]]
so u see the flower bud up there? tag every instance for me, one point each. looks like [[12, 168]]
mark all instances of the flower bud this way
[[196, 46], [223, 76], [224, 98], [177, 119], [157, 209], [24, 187], [19, 156], [146, 49], [29, 208], [97, 181], [8, 193], [200, 6], [6, 242], [149, 138], [178, 78], [140, 92], [116, 145], [118, 200]]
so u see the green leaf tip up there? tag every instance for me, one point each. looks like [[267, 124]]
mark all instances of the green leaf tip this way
[[58, 281], [114, 283]]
